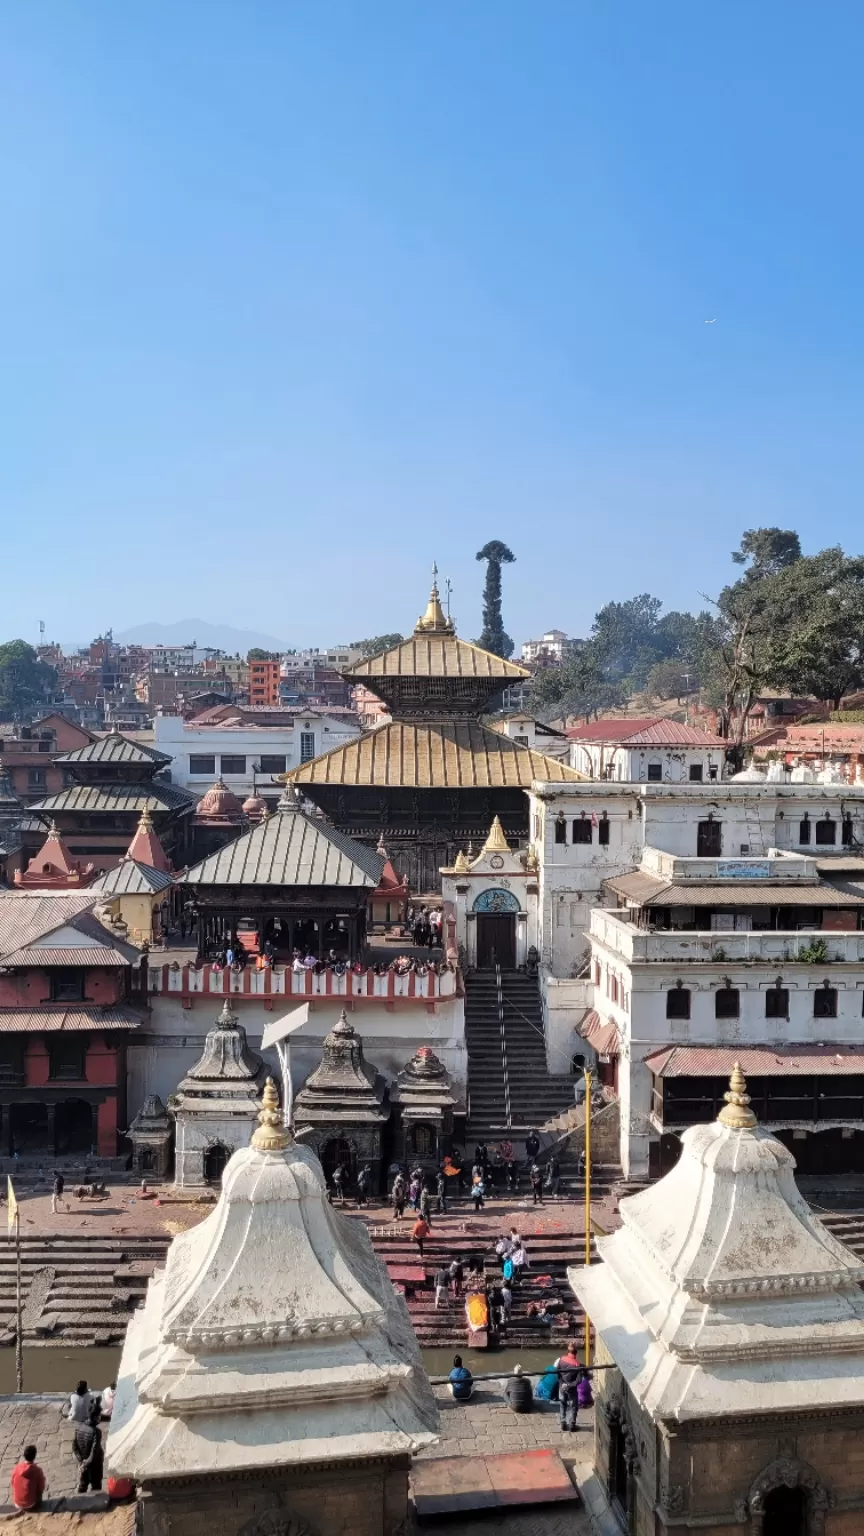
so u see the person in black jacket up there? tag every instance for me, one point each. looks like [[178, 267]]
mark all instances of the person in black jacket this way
[[87, 1449], [532, 1145], [519, 1392]]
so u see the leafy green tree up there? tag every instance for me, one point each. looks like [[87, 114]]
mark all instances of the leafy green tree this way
[[817, 621], [768, 550], [256, 654], [376, 644], [579, 687], [670, 679], [24, 679], [494, 637]]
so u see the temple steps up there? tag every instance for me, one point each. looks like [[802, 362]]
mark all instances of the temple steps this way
[[508, 1081], [76, 1288]]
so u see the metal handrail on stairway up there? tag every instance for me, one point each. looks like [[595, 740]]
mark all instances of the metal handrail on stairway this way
[[508, 1117]]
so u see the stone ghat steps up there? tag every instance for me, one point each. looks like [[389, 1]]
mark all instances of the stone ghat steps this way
[[535, 1094], [847, 1228], [77, 1289]]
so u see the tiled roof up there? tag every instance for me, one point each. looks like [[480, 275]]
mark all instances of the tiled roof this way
[[833, 736], [436, 656], [452, 754], [603, 1037], [30, 919], [153, 796], [290, 849], [654, 732], [115, 749], [133, 879], [76, 954], [51, 1021], [757, 1060], [728, 893]]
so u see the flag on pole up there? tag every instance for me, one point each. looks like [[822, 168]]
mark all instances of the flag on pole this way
[[13, 1205]]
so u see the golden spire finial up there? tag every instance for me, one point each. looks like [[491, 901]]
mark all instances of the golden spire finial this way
[[145, 822], [496, 842], [434, 620], [272, 1134], [461, 863], [737, 1116]]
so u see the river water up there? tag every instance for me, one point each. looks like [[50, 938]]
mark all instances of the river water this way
[[55, 1369]]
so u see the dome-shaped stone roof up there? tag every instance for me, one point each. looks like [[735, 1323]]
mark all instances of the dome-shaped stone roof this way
[[255, 806], [220, 804]]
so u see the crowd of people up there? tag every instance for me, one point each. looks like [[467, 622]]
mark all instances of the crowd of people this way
[[425, 926], [566, 1381], [87, 1411]]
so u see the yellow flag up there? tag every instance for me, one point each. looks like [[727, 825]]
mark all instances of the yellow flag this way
[[13, 1205]]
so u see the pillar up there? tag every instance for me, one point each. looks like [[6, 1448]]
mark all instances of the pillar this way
[[106, 1128]]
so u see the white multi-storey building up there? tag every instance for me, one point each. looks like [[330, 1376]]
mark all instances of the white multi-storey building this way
[[247, 755]]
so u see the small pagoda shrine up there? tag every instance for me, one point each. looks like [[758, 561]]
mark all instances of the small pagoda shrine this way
[[217, 1103], [387, 903], [53, 868], [272, 1383], [219, 818], [137, 890], [424, 1104], [735, 1324], [151, 1134], [342, 1108]]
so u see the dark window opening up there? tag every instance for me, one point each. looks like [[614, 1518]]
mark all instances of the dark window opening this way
[[203, 767], [560, 830], [232, 765], [777, 1003], [66, 1056], [655, 772], [582, 831], [678, 1003], [696, 773], [826, 833], [804, 830], [726, 1003], [307, 746], [272, 764], [825, 1003], [67, 986], [603, 832]]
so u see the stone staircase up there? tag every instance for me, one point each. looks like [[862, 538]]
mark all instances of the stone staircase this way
[[550, 1253], [76, 1289], [509, 1086], [847, 1227]]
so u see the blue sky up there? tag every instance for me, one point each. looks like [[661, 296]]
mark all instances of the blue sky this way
[[297, 296]]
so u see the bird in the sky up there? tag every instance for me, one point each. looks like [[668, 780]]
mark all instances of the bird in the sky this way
[[711, 322]]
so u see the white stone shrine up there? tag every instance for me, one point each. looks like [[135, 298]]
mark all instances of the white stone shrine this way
[[272, 1381]]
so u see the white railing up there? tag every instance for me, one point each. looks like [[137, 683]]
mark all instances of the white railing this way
[[279, 981]]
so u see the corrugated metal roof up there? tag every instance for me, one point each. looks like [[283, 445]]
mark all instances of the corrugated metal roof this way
[[115, 749], [450, 754], [436, 656], [51, 1021], [290, 849], [27, 915], [119, 797], [645, 892], [657, 731], [133, 879], [75, 954], [757, 1060]]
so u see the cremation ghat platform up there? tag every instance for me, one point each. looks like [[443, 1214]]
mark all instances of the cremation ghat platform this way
[[457, 1485]]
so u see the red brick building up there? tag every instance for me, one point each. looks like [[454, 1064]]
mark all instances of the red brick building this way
[[71, 993], [29, 754]]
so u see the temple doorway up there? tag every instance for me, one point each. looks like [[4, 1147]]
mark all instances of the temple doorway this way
[[29, 1130], [786, 1512], [496, 940], [337, 1150], [73, 1126], [215, 1160]]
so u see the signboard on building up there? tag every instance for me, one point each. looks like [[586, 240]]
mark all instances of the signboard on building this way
[[744, 869]]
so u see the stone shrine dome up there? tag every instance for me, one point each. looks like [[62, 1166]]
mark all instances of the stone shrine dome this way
[[255, 807], [219, 806]]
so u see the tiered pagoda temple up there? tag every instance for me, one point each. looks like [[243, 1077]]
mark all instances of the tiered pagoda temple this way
[[113, 780], [432, 778]]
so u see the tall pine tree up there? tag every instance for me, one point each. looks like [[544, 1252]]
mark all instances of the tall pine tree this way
[[494, 637]]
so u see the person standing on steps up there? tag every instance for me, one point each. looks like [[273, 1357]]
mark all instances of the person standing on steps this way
[[532, 1146], [426, 1205], [363, 1180], [441, 1190], [420, 1232], [57, 1192], [553, 1176], [441, 1286], [87, 1449], [398, 1195], [536, 1176]]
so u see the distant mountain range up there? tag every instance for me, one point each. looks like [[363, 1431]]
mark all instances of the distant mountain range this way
[[221, 636]]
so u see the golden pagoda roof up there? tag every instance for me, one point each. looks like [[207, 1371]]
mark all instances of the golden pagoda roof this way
[[434, 754], [434, 650]]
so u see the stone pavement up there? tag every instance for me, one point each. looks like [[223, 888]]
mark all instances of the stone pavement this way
[[36, 1420]]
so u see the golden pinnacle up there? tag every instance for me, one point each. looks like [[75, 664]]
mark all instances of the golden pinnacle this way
[[272, 1134], [737, 1116]]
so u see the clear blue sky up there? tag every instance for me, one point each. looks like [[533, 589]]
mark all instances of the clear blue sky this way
[[298, 294]]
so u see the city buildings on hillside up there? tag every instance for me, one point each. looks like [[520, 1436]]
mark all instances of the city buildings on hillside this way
[[263, 681], [828, 746], [71, 994], [29, 754], [550, 650], [652, 750], [431, 779], [247, 747]]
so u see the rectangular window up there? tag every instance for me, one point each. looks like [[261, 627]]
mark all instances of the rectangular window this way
[[202, 767], [696, 773], [560, 830], [655, 772], [66, 1056], [232, 766], [603, 832], [825, 1003], [826, 833], [582, 830], [307, 746], [522, 740], [597, 975], [678, 1003], [777, 1003], [272, 763], [804, 830], [67, 986], [726, 1003]]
